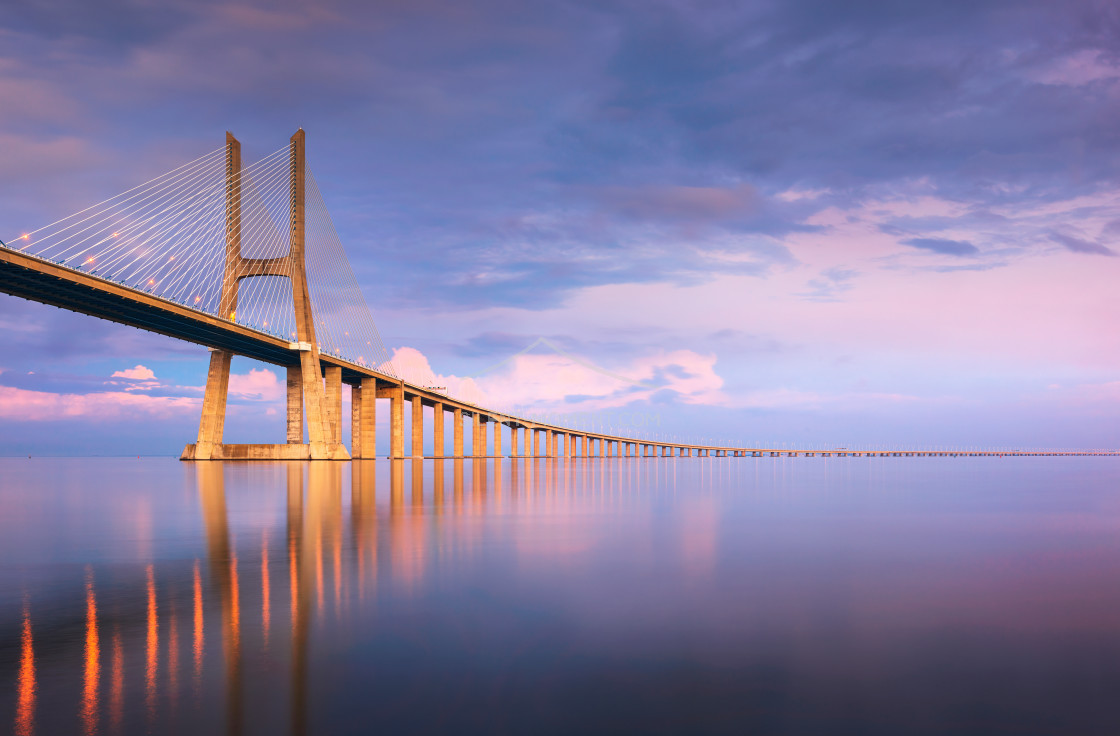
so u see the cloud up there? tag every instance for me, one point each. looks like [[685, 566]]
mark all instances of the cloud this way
[[259, 384], [553, 382], [1079, 245], [682, 203], [23, 405], [944, 247], [1077, 69], [139, 373], [832, 283]]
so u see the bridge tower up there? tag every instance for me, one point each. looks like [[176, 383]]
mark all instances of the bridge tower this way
[[305, 376]]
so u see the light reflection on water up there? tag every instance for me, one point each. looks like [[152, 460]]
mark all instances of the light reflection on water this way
[[794, 595]]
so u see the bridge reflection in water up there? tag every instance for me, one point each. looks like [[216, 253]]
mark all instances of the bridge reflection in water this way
[[729, 595], [155, 662]]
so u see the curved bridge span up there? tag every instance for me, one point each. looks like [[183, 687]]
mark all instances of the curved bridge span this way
[[198, 298]]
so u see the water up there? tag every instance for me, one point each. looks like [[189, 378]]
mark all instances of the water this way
[[732, 595]]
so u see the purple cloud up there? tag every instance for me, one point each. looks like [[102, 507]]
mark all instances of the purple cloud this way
[[943, 246], [1079, 245]]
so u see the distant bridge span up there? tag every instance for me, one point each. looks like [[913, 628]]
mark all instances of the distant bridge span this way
[[315, 377]]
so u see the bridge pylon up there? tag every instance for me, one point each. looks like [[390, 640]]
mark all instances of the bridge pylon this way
[[305, 379]]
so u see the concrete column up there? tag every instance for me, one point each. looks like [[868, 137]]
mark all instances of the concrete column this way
[[417, 427], [514, 440], [498, 438], [364, 423], [295, 405], [437, 430], [531, 438], [396, 422], [478, 449], [212, 425], [457, 432], [333, 374], [356, 422]]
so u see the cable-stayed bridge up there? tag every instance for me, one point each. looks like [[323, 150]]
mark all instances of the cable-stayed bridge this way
[[244, 259]]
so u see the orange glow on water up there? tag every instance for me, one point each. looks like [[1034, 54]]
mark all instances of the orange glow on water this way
[[198, 635], [25, 688], [293, 580], [116, 686], [319, 571], [338, 571], [233, 623], [153, 643], [92, 676], [173, 654], [265, 587], [235, 594], [116, 235]]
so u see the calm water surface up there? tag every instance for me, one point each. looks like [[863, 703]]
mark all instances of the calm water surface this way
[[730, 595]]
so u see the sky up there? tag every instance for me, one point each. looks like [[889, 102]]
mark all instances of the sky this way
[[802, 223]]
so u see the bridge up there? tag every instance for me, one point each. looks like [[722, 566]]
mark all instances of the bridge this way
[[245, 261]]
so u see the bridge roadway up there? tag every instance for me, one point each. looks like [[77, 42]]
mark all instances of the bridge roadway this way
[[47, 282]]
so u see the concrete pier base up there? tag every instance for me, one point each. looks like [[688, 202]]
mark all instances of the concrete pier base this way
[[267, 452]]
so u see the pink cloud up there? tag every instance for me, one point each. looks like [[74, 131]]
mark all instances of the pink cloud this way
[[259, 384], [23, 405], [139, 373], [1076, 69], [550, 381]]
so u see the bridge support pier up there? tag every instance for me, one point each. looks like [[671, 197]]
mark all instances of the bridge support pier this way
[[212, 423], [437, 431], [395, 394], [333, 375], [295, 405], [417, 428], [363, 419], [457, 433]]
